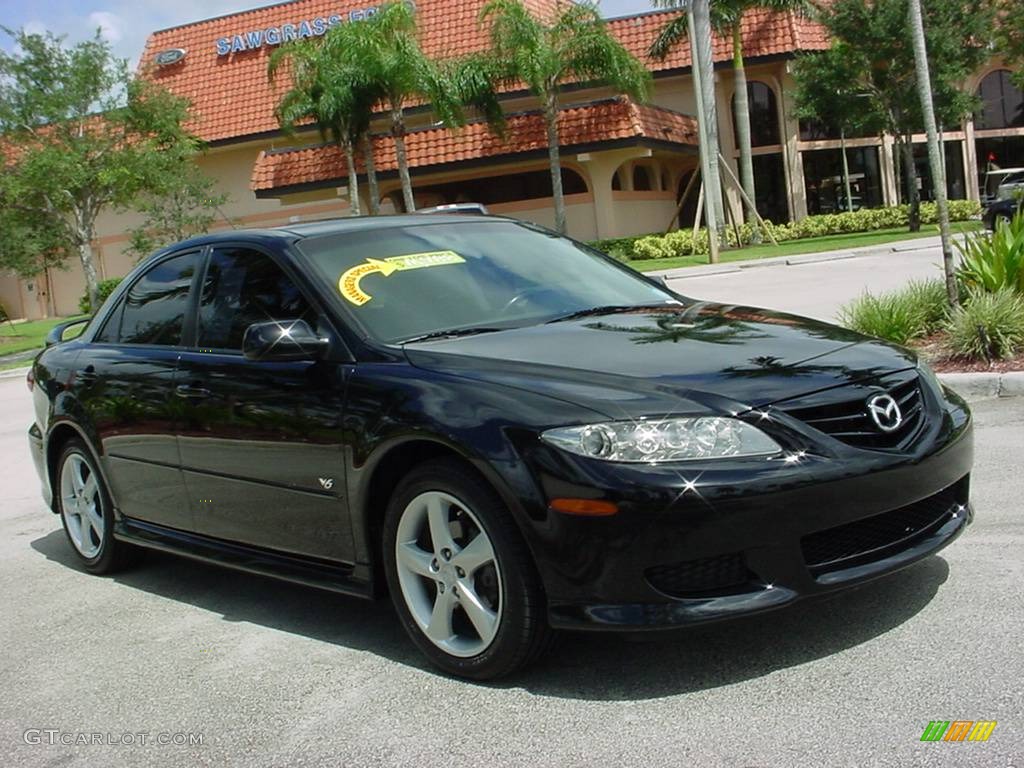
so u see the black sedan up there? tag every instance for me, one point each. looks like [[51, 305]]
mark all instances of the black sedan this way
[[1001, 210], [508, 432]]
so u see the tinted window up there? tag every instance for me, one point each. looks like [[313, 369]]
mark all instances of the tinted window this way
[[242, 287], [153, 312]]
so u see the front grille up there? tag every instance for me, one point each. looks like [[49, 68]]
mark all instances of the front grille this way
[[879, 536], [723, 573], [843, 413]]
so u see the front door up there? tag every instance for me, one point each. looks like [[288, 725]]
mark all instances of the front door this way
[[260, 442]]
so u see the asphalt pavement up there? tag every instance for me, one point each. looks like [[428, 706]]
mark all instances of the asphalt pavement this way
[[810, 287], [270, 674]]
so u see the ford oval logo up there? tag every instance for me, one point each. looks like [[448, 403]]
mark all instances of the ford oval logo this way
[[170, 56]]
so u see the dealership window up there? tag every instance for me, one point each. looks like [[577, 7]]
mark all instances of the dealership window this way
[[642, 179], [1002, 102], [764, 115], [995, 153], [494, 190], [824, 183], [954, 164], [770, 187]]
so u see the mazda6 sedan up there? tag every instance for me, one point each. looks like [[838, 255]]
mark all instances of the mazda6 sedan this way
[[504, 430]]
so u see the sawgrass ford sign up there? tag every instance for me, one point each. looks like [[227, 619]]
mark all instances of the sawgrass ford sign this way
[[302, 30]]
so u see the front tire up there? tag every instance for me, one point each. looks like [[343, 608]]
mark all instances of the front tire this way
[[87, 512], [459, 573]]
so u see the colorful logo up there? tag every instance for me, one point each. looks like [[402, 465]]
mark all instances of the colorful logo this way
[[958, 730]]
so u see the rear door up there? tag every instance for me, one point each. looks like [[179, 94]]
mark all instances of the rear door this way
[[125, 384], [261, 441]]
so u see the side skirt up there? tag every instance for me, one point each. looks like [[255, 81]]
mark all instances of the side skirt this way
[[321, 574]]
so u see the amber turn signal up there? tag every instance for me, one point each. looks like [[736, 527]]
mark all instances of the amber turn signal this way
[[585, 507]]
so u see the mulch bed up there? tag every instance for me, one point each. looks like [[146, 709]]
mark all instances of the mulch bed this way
[[932, 349]]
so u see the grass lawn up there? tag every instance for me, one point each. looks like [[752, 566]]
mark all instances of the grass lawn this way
[[22, 337], [808, 245]]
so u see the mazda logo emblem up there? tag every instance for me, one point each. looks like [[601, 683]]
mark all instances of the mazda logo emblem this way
[[885, 412]]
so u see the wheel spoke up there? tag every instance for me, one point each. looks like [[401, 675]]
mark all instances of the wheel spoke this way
[[477, 553], [76, 474], [484, 620], [93, 517], [440, 627], [440, 532], [418, 561]]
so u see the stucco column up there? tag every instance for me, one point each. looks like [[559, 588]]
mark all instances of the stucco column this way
[[792, 160], [885, 160]]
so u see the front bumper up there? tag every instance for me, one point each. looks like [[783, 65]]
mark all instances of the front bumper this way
[[694, 543]]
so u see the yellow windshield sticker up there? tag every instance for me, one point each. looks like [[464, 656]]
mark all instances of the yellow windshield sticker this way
[[349, 283]]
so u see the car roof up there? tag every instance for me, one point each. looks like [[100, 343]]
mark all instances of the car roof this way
[[303, 230]]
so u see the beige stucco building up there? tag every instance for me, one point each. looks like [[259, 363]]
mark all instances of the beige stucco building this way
[[626, 165]]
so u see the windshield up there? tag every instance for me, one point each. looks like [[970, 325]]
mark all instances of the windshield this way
[[412, 281]]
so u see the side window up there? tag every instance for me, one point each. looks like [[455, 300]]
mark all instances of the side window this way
[[153, 311], [243, 287]]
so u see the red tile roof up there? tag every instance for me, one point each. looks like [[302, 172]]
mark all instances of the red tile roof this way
[[232, 98], [765, 33], [579, 125]]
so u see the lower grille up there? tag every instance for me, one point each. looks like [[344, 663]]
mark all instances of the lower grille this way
[[719, 574], [878, 536], [843, 412]]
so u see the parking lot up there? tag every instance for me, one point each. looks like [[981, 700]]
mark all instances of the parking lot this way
[[265, 673]]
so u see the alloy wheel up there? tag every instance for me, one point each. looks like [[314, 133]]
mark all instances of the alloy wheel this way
[[81, 505], [449, 575]]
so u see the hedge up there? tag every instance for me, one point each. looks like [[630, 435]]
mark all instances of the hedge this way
[[104, 289], [682, 243]]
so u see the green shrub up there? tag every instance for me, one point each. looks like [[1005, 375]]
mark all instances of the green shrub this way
[[4, 317], [900, 316], [620, 248], [990, 262], [682, 243], [104, 289], [988, 326]]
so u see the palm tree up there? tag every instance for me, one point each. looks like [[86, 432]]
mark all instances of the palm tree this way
[[327, 90], [726, 18], [544, 54], [385, 50]]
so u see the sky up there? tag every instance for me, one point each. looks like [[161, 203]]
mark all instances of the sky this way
[[127, 23]]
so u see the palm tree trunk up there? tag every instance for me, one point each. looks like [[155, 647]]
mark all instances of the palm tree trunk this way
[[353, 179], [371, 174], [555, 160], [935, 155], [910, 177], [743, 129], [398, 133]]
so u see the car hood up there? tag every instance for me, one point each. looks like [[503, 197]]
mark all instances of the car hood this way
[[643, 362]]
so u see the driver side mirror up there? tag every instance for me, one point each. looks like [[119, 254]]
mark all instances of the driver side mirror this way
[[282, 341]]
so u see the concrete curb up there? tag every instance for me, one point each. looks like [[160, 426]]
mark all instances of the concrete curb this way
[[14, 373], [984, 386]]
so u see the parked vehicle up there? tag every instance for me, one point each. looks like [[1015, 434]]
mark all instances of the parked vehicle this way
[[505, 430], [1001, 210]]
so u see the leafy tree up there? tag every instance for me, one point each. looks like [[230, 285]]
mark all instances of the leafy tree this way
[[574, 46], [727, 18], [873, 52], [187, 209], [1010, 36], [80, 136]]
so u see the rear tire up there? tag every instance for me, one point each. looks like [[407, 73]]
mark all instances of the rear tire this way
[[460, 575], [87, 512]]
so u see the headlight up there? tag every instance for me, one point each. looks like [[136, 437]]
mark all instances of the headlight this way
[[682, 439]]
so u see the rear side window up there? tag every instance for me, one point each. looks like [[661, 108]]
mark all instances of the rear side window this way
[[153, 310], [242, 287]]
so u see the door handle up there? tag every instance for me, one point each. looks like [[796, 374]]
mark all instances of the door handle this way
[[87, 376], [189, 392]]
